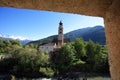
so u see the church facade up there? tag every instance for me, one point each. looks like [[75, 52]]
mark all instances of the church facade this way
[[50, 47]]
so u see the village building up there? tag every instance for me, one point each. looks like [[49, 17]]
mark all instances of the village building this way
[[56, 43], [48, 47]]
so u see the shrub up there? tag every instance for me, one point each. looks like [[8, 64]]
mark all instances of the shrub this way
[[46, 71]]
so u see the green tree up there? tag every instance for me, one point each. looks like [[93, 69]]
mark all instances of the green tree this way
[[97, 57], [67, 54], [80, 48], [101, 59], [65, 58], [25, 58], [90, 49], [15, 42], [8, 46], [30, 46], [43, 63], [43, 59]]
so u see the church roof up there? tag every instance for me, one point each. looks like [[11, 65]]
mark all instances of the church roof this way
[[48, 44]]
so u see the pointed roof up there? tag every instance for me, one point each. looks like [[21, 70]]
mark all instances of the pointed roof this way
[[60, 23]]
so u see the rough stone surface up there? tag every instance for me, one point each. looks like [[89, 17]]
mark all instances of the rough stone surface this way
[[86, 7], [112, 23], [109, 9]]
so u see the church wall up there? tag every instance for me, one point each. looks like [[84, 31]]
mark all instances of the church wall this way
[[47, 48]]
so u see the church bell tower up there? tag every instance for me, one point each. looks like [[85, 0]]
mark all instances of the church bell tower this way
[[60, 34]]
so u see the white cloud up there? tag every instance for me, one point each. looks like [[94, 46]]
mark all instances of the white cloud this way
[[13, 37], [17, 37]]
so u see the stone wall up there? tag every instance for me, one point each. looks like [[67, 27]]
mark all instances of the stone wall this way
[[86, 7], [108, 9], [112, 23]]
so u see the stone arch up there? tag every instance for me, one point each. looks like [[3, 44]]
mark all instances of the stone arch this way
[[108, 9]]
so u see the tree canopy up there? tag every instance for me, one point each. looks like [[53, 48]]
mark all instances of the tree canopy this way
[[78, 56]]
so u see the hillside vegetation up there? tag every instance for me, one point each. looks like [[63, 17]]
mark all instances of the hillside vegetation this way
[[73, 57]]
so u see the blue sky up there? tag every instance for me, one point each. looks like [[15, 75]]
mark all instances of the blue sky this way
[[37, 24]]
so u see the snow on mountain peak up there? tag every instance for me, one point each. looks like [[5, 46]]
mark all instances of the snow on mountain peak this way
[[13, 37], [17, 37]]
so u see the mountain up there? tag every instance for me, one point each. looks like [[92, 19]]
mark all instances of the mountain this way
[[10, 37], [96, 34], [44, 40], [25, 41]]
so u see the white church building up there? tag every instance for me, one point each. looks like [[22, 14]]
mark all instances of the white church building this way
[[50, 47]]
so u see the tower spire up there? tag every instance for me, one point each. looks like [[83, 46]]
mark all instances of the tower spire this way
[[60, 34], [60, 23]]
